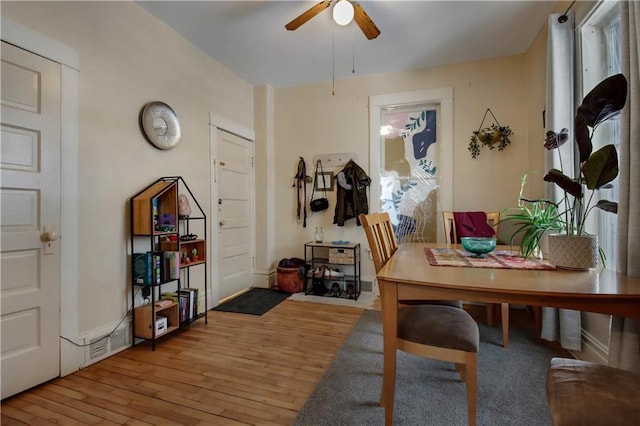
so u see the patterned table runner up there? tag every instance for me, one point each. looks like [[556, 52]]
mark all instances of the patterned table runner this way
[[502, 259]]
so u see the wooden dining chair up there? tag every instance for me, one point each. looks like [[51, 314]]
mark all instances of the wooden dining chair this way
[[436, 331], [451, 235]]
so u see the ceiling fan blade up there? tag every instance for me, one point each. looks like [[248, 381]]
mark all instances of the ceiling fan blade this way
[[364, 22], [297, 22]]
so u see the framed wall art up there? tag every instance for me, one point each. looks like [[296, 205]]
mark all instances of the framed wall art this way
[[324, 181]]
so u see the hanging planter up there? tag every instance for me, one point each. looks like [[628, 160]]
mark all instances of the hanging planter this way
[[494, 136]]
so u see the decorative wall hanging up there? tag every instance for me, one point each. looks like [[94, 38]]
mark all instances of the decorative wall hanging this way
[[160, 125], [301, 179], [494, 136], [408, 178]]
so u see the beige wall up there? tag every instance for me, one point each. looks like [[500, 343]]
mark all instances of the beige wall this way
[[535, 75], [310, 121], [128, 58]]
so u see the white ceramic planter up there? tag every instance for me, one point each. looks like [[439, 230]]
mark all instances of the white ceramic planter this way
[[544, 245], [578, 252]]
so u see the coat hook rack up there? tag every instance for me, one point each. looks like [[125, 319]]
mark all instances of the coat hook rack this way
[[335, 160]]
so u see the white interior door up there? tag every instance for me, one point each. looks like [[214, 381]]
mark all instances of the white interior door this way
[[30, 220], [235, 213]]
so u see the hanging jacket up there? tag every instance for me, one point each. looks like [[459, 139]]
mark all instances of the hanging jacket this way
[[351, 195]]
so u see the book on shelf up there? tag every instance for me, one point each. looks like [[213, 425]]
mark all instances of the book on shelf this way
[[198, 302], [172, 265], [156, 267], [197, 306], [169, 295], [192, 296], [183, 301], [142, 267]]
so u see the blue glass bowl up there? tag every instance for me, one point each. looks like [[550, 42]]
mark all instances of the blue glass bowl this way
[[479, 246]]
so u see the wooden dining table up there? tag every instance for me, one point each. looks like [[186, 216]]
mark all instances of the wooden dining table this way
[[408, 275]]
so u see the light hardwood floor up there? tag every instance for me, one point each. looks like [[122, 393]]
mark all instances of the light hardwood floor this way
[[236, 370]]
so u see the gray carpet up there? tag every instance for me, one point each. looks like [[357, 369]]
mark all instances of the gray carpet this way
[[511, 383]]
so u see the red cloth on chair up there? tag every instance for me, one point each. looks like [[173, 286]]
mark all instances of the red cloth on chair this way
[[472, 224]]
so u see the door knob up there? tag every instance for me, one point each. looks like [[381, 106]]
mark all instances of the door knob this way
[[222, 223], [49, 236]]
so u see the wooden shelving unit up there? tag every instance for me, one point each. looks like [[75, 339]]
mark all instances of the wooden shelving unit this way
[[145, 318], [164, 251]]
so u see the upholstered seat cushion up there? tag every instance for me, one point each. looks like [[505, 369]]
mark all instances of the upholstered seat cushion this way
[[438, 325], [585, 393]]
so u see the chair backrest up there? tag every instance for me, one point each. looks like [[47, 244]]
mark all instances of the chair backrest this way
[[492, 219], [449, 228], [450, 233], [382, 240]]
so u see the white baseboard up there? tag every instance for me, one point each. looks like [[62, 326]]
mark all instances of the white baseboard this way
[[264, 278], [95, 345]]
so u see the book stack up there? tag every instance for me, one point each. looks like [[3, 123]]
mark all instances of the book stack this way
[[189, 303], [156, 268], [187, 299]]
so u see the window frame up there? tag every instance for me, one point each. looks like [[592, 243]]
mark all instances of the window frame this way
[[592, 43]]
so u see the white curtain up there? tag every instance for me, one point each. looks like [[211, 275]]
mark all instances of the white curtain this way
[[623, 344], [560, 324]]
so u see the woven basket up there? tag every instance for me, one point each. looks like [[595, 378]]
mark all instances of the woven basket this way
[[289, 280]]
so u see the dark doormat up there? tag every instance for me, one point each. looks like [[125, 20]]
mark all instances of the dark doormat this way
[[256, 301]]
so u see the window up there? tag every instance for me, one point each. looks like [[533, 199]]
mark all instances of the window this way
[[598, 39]]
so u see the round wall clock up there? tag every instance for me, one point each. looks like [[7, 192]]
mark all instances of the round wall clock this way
[[160, 125]]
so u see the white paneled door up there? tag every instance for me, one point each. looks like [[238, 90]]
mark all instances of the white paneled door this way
[[235, 207], [30, 220]]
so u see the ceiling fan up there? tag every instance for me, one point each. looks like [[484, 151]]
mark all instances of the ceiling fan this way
[[359, 15]]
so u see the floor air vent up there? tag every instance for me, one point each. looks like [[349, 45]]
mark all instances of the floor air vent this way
[[98, 347]]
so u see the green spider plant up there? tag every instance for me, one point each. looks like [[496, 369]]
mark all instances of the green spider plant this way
[[533, 220]]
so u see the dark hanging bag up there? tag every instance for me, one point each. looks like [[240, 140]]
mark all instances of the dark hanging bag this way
[[319, 204]]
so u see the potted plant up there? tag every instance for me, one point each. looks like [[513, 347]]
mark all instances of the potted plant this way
[[575, 249], [492, 136], [534, 220]]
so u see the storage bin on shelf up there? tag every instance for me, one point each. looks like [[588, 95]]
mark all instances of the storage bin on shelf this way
[[340, 256]]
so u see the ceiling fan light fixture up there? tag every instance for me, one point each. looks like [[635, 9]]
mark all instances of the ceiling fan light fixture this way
[[343, 12]]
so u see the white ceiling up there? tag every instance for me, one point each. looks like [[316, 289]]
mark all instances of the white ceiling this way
[[249, 37]]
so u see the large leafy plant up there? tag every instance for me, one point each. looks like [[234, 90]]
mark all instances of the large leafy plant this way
[[597, 169]]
